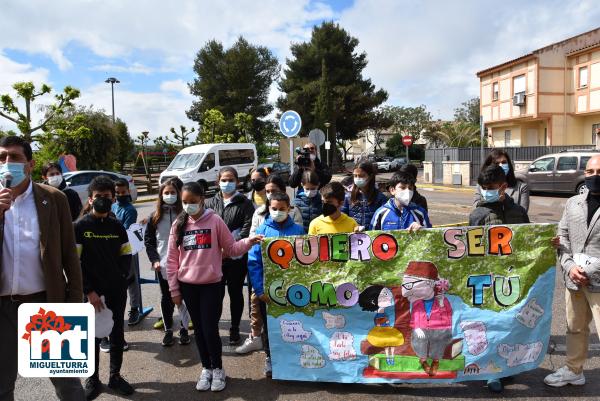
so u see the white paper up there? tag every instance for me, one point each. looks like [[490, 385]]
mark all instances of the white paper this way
[[104, 321]]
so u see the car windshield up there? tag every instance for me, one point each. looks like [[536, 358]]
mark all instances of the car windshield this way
[[185, 161]]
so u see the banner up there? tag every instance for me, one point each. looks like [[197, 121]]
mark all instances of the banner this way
[[438, 305]]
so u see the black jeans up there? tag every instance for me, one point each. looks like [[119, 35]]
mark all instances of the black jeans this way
[[167, 307], [115, 301], [67, 388], [204, 305], [234, 275], [265, 333]]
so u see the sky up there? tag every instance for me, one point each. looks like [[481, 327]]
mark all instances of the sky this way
[[421, 51]]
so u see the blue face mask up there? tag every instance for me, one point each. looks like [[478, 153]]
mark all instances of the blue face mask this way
[[227, 187], [17, 170], [490, 195], [505, 167]]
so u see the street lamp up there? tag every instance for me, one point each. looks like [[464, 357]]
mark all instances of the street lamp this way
[[327, 125], [112, 81]]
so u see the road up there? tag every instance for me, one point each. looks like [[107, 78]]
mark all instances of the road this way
[[160, 373]]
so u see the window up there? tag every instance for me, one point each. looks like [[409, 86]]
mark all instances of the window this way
[[519, 84], [583, 161], [185, 161], [507, 137], [208, 163], [495, 91], [566, 163], [80, 179], [595, 132], [546, 164], [236, 156], [583, 77]]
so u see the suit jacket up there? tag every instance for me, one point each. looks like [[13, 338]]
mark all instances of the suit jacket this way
[[577, 237], [60, 263]]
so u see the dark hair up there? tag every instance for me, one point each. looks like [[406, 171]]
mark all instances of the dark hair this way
[[369, 190], [196, 189], [160, 202], [347, 180], [228, 169], [401, 177], [98, 184], [495, 155], [333, 190], [410, 169], [368, 298], [281, 197], [13, 140], [277, 180], [176, 182], [121, 182], [310, 177], [261, 171], [49, 166], [491, 175]]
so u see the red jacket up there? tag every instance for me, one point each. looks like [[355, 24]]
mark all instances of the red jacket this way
[[439, 319]]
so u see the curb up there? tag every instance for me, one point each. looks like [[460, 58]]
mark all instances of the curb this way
[[445, 188], [145, 201]]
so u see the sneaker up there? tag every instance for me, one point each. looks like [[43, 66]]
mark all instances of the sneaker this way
[[184, 337], [125, 346], [168, 339], [234, 336], [159, 325], [268, 368], [105, 345], [134, 317], [564, 376], [92, 387], [190, 325], [119, 384], [218, 380], [204, 380], [250, 345], [495, 385]]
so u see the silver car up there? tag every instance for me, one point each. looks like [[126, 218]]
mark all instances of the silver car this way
[[80, 180], [558, 172]]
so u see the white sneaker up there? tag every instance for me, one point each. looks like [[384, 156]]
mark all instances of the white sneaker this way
[[268, 368], [564, 376], [250, 345], [204, 380], [218, 380]]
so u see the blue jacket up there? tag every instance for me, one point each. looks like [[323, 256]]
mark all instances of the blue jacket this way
[[269, 229], [125, 212], [389, 217], [362, 211], [310, 208]]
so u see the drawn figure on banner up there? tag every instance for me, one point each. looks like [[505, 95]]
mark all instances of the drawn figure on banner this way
[[529, 315], [334, 321], [431, 314], [377, 298], [475, 336], [519, 354]]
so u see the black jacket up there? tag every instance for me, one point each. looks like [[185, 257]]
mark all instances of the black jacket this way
[[419, 200], [320, 168], [505, 212], [74, 200], [105, 254], [237, 215]]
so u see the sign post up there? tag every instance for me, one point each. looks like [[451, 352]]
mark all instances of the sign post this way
[[407, 140], [289, 125]]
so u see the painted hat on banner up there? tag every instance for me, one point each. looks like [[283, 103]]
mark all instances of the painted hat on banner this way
[[422, 269]]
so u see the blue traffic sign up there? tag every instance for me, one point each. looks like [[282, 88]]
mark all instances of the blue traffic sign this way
[[290, 123]]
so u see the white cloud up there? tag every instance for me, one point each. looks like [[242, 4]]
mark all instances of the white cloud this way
[[177, 86], [133, 68]]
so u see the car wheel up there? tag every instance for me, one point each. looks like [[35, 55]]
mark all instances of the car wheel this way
[[581, 188]]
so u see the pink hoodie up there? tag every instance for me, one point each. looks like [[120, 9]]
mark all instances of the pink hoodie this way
[[198, 259]]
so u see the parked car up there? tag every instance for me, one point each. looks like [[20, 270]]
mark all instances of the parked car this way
[[80, 180], [201, 163], [384, 164], [558, 172], [282, 169], [397, 163]]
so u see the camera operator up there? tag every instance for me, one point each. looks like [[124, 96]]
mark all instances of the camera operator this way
[[307, 160]]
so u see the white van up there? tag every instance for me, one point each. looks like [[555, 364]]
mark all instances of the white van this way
[[201, 163]]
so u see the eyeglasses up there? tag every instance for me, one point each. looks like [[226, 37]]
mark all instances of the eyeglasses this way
[[409, 286]]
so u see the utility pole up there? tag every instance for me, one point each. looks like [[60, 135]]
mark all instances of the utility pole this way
[[112, 81]]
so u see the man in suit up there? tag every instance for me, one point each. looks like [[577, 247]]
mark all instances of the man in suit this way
[[38, 255], [579, 252]]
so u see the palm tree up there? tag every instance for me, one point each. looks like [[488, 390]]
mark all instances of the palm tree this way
[[459, 135]]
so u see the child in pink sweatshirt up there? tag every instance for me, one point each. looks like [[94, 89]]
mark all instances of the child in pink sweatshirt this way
[[197, 242]]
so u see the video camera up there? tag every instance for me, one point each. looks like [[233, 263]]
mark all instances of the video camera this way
[[303, 158]]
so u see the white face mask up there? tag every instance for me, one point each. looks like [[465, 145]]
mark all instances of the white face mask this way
[[170, 199], [311, 193], [192, 209], [55, 180], [404, 196], [278, 215], [313, 156], [360, 182]]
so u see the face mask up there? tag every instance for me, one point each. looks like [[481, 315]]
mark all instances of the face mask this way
[[505, 167], [313, 157], [278, 215], [102, 205], [311, 193], [55, 180], [593, 183], [360, 182], [124, 198], [227, 187], [269, 195], [192, 209], [490, 195], [328, 209], [404, 196], [170, 199], [17, 170], [258, 185]]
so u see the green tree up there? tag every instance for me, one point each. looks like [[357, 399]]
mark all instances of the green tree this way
[[323, 81], [125, 145], [411, 121], [27, 92], [236, 80], [459, 135], [212, 129], [394, 147], [243, 124], [468, 112], [380, 121], [182, 137]]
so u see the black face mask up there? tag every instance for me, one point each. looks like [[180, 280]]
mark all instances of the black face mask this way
[[102, 204], [328, 209], [593, 183], [124, 199], [259, 185]]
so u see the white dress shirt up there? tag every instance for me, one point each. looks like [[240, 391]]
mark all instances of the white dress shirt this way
[[21, 272]]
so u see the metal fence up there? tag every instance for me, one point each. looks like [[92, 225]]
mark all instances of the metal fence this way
[[527, 153]]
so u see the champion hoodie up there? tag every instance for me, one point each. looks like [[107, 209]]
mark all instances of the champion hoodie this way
[[198, 259]]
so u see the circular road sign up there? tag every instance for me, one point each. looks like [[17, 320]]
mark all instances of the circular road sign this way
[[317, 137], [407, 140], [290, 123]]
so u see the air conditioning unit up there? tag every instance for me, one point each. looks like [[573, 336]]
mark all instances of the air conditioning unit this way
[[519, 99]]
